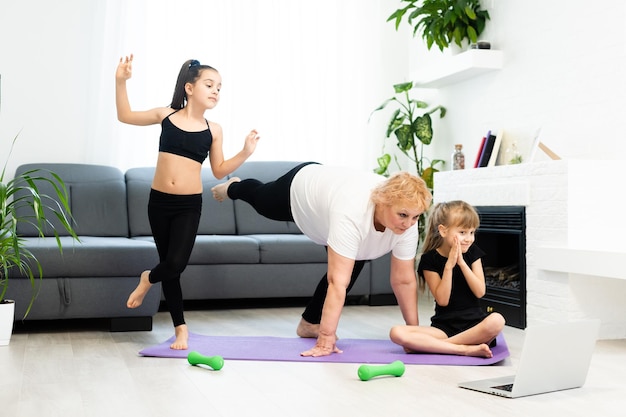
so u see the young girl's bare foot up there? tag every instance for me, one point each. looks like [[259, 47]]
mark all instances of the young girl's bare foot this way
[[481, 351], [220, 191], [182, 337], [136, 297]]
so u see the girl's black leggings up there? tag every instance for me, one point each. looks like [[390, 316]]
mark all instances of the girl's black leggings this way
[[174, 220], [272, 200]]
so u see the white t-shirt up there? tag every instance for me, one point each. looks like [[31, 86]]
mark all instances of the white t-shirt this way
[[333, 207]]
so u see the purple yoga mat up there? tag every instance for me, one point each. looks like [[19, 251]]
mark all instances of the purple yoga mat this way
[[266, 348]]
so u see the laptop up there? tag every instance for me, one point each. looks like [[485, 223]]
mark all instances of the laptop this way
[[554, 357]]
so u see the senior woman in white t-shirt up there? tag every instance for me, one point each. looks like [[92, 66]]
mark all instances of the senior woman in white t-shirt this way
[[358, 216]]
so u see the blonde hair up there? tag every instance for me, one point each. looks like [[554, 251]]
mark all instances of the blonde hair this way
[[449, 214], [403, 188]]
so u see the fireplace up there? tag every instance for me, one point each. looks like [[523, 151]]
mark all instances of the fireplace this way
[[502, 235]]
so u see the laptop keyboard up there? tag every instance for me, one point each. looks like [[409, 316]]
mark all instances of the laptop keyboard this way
[[506, 387]]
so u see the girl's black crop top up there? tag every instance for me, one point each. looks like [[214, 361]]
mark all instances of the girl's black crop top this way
[[192, 145]]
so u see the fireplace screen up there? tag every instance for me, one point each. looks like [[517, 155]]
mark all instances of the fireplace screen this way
[[502, 235]]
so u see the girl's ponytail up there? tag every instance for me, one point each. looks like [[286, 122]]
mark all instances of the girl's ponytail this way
[[189, 73]]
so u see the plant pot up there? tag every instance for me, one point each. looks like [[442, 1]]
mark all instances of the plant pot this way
[[7, 315]]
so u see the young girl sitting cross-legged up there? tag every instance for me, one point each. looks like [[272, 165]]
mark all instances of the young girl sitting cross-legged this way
[[451, 267]]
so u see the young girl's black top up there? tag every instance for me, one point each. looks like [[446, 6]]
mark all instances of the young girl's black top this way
[[193, 145], [463, 310]]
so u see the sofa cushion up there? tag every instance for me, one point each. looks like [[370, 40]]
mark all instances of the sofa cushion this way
[[138, 182], [97, 198], [93, 256], [220, 249], [217, 218], [78, 298], [289, 249], [214, 249], [248, 220]]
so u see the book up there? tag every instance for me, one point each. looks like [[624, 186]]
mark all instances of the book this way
[[496, 149], [482, 148], [480, 151], [488, 149]]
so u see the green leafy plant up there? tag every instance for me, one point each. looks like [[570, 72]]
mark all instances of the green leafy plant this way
[[443, 22], [15, 195], [411, 124]]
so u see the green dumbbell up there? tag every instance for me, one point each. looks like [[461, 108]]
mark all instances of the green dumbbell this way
[[196, 358], [367, 372]]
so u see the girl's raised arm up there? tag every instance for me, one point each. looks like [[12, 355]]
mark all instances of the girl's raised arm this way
[[124, 112]]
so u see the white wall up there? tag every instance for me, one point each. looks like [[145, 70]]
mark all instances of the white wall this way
[[306, 74], [564, 62], [46, 77], [564, 66]]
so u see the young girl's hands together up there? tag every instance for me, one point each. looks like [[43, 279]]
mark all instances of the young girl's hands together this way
[[459, 252], [455, 253], [455, 257]]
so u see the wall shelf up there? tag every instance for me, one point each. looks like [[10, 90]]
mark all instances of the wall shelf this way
[[581, 261], [456, 68]]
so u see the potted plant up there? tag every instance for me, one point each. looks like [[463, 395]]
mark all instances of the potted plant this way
[[443, 22], [15, 258], [411, 124]]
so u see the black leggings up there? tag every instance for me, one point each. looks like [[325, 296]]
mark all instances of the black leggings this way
[[313, 310], [174, 220], [269, 199], [272, 200]]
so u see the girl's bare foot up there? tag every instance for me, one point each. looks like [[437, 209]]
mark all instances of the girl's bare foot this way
[[481, 351], [182, 337], [220, 191], [136, 297]]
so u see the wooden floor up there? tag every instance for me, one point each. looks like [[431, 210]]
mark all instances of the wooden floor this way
[[63, 369]]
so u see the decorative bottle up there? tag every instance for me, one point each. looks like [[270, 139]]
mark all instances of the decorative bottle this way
[[458, 159]]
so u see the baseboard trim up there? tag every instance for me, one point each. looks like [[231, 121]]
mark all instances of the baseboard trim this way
[[130, 324], [383, 300]]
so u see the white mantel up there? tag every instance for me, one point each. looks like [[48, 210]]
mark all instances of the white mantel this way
[[575, 235]]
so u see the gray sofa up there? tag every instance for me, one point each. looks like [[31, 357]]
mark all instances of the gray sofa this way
[[238, 254]]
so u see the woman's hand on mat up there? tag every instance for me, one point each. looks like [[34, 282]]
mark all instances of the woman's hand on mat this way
[[325, 346]]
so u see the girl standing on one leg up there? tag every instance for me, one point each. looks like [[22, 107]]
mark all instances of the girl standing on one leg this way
[[175, 204], [452, 268]]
